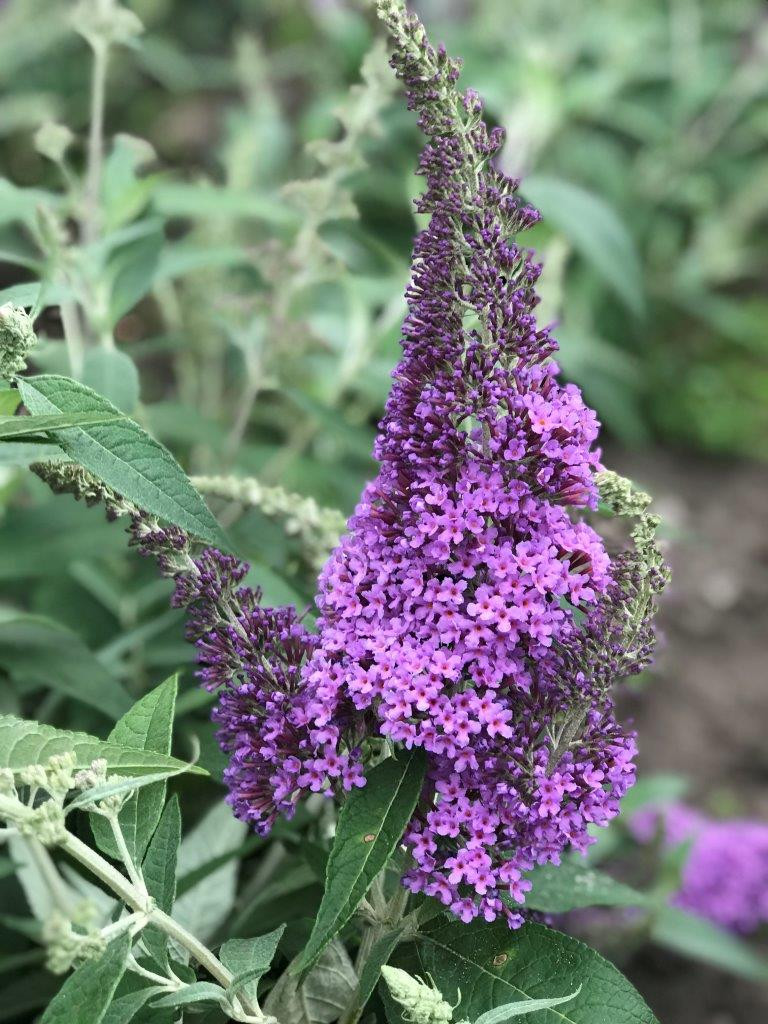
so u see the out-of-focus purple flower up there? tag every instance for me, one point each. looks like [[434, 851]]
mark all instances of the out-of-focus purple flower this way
[[725, 877]]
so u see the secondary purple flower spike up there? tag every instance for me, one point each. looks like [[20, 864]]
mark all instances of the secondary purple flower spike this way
[[725, 877]]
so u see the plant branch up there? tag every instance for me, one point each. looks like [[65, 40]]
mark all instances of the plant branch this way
[[130, 894], [91, 220]]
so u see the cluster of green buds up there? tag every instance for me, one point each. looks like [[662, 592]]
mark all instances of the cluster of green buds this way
[[71, 939], [17, 338], [33, 801]]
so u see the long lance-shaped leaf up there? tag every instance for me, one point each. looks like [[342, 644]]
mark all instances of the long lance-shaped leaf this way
[[19, 426], [148, 725], [123, 456], [370, 826]]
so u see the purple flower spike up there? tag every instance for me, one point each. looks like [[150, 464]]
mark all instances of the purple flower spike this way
[[469, 610]]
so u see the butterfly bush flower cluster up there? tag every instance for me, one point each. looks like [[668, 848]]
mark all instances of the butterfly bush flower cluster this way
[[470, 610], [725, 877]]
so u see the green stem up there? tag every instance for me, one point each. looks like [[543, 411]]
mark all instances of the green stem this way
[[91, 223], [133, 872], [73, 337], [53, 879], [389, 917], [15, 811]]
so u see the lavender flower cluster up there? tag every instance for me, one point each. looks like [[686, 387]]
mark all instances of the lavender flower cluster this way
[[725, 877], [469, 611]]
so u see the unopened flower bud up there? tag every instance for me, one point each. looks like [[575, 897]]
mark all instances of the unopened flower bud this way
[[67, 948], [59, 771], [104, 22], [422, 1003], [45, 823], [53, 140], [7, 783], [96, 775], [33, 775]]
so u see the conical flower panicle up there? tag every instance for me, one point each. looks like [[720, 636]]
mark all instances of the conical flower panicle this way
[[469, 610]]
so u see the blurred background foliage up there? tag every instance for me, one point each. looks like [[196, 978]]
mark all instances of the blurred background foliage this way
[[232, 273]]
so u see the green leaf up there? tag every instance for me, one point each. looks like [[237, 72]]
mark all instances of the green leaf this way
[[695, 937], [147, 726], [596, 232], [559, 888], [249, 960], [181, 259], [519, 1009], [85, 996], [123, 456], [204, 907], [12, 427], [32, 879], [380, 953], [193, 878], [24, 454], [370, 826], [159, 870], [40, 651], [118, 787], [198, 992], [124, 1009], [178, 199], [113, 374], [23, 743], [322, 996], [131, 269], [10, 400], [493, 966], [124, 194], [655, 790]]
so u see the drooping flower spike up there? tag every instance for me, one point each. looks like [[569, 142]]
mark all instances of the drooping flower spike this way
[[470, 610]]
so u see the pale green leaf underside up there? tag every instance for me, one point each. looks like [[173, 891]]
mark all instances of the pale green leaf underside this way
[[19, 426], [198, 992], [522, 1008]]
